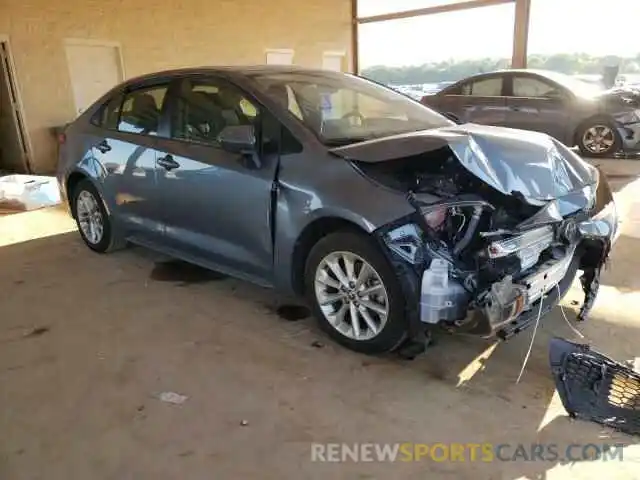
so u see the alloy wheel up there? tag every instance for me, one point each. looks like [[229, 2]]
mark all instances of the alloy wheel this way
[[351, 295], [89, 217], [598, 139]]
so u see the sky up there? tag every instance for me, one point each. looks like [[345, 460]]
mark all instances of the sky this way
[[597, 27]]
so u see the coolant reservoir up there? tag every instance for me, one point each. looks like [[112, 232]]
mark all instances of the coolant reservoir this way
[[442, 297]]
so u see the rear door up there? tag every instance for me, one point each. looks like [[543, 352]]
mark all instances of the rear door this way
[[216, 204], [535, 103], [477, 100], [126, 149]]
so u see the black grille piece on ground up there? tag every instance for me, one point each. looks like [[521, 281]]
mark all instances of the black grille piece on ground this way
[[594, 387]]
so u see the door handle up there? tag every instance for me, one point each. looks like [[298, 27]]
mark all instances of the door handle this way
[[103, 147], [168, 162]]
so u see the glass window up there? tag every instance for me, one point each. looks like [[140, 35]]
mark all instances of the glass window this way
[[534, 88], [342, 109], [108, 115], [141, 110], [488, 87], [205, 107]]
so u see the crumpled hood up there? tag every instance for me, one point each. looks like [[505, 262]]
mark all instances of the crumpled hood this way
[[623, 96], [515, 162]]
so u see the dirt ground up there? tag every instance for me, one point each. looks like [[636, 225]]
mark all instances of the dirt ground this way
[[88, 342]]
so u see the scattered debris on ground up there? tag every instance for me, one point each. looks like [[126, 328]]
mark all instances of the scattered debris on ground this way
[[172, 397]]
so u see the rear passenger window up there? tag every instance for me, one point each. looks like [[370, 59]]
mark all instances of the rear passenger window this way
[[109, 114], [488, 87], [141, 110]]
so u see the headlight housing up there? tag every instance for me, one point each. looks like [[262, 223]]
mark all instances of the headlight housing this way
[[610, 215]]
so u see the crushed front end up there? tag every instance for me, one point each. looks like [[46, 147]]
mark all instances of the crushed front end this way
[[491, 246]]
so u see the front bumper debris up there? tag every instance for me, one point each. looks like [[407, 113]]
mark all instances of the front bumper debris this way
[[630, 135], [510, 307], [594, 387]]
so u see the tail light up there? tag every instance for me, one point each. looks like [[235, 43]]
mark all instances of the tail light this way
[[62, 138]]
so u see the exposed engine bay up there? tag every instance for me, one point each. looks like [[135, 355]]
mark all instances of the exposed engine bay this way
[[490, 260]]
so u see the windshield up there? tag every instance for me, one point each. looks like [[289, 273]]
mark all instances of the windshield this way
[[342, 109]]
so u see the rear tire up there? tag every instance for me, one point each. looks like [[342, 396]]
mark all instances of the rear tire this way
[[94, 223], [375, 296], [598, 138]]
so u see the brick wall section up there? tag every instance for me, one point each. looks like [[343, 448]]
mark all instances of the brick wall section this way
[[155, 35]]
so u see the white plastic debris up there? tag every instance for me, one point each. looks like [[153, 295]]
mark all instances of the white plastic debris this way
[[172, 397], [28, 192]]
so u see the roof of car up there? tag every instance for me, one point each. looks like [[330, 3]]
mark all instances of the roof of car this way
[[244, 70]]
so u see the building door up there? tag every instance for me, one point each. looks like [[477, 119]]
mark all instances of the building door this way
[[13, 146], [279, 57], [94, 69], [333, 61]]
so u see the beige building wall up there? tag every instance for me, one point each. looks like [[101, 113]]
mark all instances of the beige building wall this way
[[155, 35]]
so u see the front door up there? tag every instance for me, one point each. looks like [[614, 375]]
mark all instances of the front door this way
[[535, 104], [216, 204], [477, 101]]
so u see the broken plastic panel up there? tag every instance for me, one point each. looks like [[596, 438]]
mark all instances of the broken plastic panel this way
[[594, 387], [28, 192]]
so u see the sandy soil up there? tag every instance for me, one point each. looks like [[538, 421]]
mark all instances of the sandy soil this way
[[88, 342]]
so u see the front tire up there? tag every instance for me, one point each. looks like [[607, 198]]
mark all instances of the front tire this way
[[598, 138], [355, 293], [92, 219]]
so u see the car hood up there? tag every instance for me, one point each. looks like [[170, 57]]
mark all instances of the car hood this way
[[530, 165], [621, 97]]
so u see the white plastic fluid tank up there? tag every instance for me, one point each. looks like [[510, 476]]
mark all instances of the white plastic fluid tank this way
[[441, 298]]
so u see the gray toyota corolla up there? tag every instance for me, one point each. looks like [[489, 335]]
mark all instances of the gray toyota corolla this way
[[391, 220]]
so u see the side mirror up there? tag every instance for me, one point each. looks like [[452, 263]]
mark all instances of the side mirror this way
[[238, 139]]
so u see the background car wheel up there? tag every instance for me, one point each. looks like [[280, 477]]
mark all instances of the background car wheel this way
[[598, 138], [355, 294], [93, 221]]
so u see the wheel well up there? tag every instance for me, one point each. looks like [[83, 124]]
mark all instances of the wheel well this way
[[72, 181], [311, 234]]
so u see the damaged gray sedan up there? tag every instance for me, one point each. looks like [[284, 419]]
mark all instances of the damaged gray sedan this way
[[392, 220]]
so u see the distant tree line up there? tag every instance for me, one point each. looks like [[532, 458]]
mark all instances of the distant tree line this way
[[570, 63]]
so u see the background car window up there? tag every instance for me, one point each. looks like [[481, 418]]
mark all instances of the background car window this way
[[141, 111], [488, 87], [533, 87], [204, 108]]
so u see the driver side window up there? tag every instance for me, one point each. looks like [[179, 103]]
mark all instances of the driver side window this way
[[205, 107], [530, 87]]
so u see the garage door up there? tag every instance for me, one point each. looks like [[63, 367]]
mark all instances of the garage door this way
[[94, 69]]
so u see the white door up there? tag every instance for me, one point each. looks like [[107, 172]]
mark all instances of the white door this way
[[94, 69], [279, 57], [332, 61]]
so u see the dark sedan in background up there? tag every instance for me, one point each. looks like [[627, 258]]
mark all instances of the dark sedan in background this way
[[600, 122]]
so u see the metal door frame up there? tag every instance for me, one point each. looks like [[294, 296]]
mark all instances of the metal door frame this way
[[18, 109]]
